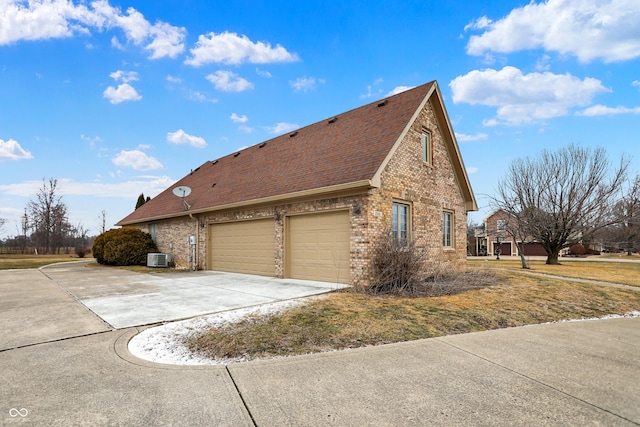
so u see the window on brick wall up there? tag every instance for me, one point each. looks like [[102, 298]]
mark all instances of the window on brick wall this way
[[427, 147], [152, 231], [447, 229], [401, 215]]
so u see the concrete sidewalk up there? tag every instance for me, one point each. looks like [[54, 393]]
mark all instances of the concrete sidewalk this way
[[569, 374], [61, 365]]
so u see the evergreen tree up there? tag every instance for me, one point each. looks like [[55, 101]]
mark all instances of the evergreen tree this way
[[141, 200]]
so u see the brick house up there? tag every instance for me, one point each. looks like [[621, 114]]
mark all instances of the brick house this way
[[494, 235], [312, 204]]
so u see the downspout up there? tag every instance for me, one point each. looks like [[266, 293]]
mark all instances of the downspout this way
[[195, 250]]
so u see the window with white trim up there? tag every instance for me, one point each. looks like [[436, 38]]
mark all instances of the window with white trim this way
[[447, 229], [427, 148], [501, 225], [400, 222]]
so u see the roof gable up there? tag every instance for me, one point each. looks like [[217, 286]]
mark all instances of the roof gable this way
[[347, 150]]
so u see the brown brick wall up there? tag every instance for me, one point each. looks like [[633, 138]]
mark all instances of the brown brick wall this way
[[429, 189]]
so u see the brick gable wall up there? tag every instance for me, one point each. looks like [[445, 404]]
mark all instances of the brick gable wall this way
[[429, 189]]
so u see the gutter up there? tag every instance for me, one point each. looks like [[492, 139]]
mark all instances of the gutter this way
[[364, 184]]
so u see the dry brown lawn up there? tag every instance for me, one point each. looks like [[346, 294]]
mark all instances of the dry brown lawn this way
[[8, 262], [349, 319], [626, 273]]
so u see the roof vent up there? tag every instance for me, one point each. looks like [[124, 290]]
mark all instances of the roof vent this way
[[292, 134], [383, 103], [262, 144], [236, 154], [213, 162], [213, 185], [333, 119]]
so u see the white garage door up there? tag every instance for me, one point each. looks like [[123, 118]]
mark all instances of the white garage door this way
[[243, 247], [318, 247]]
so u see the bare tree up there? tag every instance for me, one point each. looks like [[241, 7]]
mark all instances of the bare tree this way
[[628, 210], [562, 197], [103, 221], [48, 218]]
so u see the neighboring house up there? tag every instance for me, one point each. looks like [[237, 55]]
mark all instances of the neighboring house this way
[[312, 204], [495, 236]]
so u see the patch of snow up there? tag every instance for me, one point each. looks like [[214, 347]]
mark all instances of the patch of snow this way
[[608, 316], [165, 343]]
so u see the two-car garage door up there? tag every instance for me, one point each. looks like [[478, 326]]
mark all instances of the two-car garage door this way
[[316, 247]]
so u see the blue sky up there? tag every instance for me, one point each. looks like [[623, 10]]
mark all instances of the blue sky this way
[[115, 98]]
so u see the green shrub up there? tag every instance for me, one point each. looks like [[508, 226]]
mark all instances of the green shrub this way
[[123, 246]]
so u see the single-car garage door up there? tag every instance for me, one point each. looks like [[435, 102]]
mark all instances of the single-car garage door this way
[[318, 247], [534, 249], [243, 247], [505, 249]]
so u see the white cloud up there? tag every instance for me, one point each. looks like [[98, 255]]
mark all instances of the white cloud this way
[[200, 97], [137, 160], [635, 83], [173, 79], [239, 119], [263, 73], [370, 89], [524, 98], [594, 29], [399, 89], [228, 81], [91, 140], [124, 76], [231, 48], [181, 137], [41, 20], [153, 185], [11, 150], [304, 84], [124, 92], [603, 110], [463, 137], [282, 127], [478, 24], [472, 169]]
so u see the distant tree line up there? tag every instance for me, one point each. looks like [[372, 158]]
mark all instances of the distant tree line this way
[[45, 227]]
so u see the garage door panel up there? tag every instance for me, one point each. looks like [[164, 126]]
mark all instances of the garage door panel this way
[[243, 247], [318, 247]]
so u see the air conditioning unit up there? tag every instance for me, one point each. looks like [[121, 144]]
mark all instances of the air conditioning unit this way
[[158, 260]]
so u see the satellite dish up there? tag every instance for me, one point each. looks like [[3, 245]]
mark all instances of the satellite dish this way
[[182, 191]]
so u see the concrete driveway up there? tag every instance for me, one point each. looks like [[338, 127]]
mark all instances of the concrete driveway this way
[[61, 365], [123, 299]]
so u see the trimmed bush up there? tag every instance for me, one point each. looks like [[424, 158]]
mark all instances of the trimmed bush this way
[[123, 246], [577, 250]]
